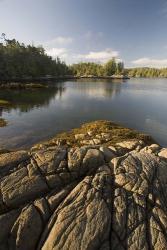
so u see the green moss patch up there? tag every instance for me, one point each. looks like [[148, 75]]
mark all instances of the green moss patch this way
[[3, 123], [35, 86], [4, 103], [19, 86], [116, 134]]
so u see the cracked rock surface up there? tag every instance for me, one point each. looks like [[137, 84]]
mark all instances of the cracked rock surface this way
[[86, 197]]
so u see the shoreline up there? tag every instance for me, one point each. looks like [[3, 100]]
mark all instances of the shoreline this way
[[63, 78], [51, 78], [86, 135]]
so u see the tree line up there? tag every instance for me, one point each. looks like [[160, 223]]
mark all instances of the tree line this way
[[20, 61], [146, 72], [112, 67]]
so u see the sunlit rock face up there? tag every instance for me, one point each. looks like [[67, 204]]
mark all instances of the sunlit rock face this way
[[86, 197]]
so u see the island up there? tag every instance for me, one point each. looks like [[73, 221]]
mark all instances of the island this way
[[100, 186]]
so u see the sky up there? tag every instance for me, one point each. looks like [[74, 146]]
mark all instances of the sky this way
[[134, 31]]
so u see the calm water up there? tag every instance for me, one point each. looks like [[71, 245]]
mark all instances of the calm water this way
[[40, 114]]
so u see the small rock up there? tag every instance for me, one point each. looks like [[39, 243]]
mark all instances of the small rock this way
[[154, 147], [90, 133], [61, 142], [87, 142], [129, 144], [97, 141], [163, 153], [106, 135], [80, 136], [99, 137], [112, 148], [151, 149]]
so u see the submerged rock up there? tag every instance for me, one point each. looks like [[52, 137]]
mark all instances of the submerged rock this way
[[84, 197], [3, 122], [163, 153]]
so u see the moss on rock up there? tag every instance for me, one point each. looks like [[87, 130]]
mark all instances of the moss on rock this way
[[3, 123], [23, 86], [98, 132]]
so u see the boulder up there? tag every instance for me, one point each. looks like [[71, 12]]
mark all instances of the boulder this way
[[84, 198]]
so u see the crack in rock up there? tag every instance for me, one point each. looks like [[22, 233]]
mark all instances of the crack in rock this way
[[84, 197]]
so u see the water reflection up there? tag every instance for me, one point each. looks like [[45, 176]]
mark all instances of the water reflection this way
[[39, 114], [26, 100], [98, 88]]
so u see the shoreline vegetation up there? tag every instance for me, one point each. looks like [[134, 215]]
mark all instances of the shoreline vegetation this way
[[20, 62], [4, 102], [31, 82], [26, 63], [19, 85], [87, 134], [112, 134], [3, 123]]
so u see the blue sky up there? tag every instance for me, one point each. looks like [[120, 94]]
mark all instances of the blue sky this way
[[134, 31]]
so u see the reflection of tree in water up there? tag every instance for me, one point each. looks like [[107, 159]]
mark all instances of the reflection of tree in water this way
[[1, 109], [100, 88], [25, 100]]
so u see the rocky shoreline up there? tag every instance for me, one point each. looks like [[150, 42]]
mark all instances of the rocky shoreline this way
[[100, 187], [63, 78]]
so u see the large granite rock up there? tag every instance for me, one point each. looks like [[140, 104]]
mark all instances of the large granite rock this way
[[93, 197]]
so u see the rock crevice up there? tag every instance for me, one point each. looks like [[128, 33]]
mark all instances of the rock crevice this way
[[104, 197]]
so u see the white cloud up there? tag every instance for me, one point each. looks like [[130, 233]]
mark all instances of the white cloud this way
[[60, 40], [148, 62], [92, 56], [57, 52], [101, 56]]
